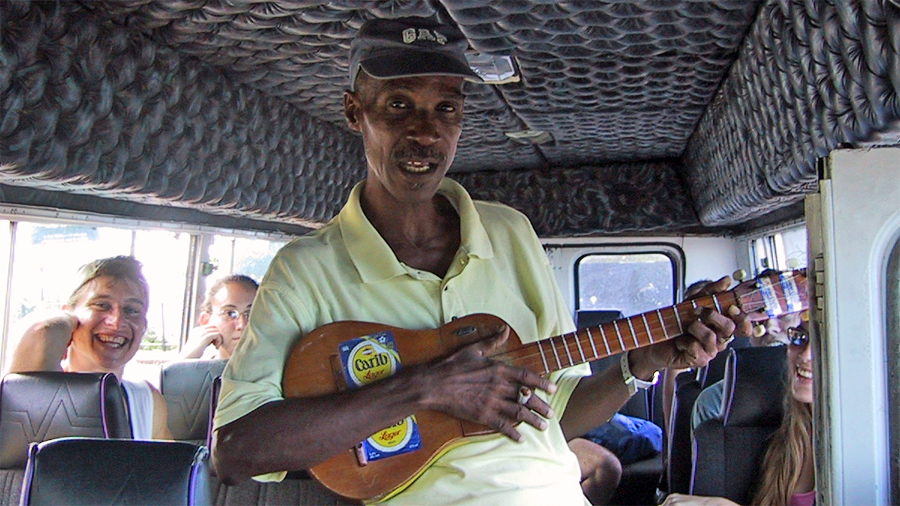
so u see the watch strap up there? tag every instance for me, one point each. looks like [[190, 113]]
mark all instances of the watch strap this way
[[631, 381]]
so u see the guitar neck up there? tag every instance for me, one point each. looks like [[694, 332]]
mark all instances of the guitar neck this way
[[594, 343]]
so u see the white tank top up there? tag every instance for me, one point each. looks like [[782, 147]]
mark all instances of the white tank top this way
[[140, 408]]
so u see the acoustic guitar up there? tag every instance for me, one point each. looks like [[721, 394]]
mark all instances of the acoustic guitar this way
[[350, 354]]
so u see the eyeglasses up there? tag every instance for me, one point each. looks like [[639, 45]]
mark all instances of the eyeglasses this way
[[798, 336], [234, 314]]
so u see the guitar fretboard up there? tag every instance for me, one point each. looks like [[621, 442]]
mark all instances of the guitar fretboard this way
[[594, 343]]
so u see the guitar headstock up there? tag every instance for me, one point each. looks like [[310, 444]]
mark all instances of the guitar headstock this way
[[773, 295]]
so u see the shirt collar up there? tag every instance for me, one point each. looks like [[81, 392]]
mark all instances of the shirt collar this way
[[374, 259]]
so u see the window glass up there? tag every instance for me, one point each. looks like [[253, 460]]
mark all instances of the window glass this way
[[239, 255], [631, 283], [784, 250], [164, 256]]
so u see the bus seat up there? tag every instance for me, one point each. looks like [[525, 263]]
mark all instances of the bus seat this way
[[688, 385], [186, 386], [89, 471], [38, 406], [728, 451]]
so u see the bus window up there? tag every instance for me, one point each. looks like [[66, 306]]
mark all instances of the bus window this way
[[240, 255], [42, 258], [783, 250], [632, 283]]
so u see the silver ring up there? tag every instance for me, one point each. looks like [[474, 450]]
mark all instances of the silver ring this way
[[524, 395], [727, 341]]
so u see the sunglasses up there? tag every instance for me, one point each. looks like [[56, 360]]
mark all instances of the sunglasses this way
[[798, 336]]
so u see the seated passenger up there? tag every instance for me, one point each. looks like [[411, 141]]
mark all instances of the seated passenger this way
[[600, 470], [99, 329], [788, 473], [771, 332], [223, 317]]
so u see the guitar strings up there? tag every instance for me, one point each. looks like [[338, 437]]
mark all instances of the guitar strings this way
[[537, 358]]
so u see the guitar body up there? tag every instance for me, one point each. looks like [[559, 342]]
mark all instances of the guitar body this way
[[314, 368]]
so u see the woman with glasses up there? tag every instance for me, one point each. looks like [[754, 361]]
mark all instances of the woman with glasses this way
[[788, 473], [223, 317]]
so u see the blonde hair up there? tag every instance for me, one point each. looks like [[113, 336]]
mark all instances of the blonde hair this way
[[120, 267], [788, 448]]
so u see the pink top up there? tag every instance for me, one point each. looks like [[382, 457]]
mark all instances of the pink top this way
[[804, 499]]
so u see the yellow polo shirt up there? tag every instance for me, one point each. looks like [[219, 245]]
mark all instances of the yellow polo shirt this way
[[346, 271]]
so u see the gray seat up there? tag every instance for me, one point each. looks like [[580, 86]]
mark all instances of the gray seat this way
[[39, 406], [186, 386], [728, 450], [688, 386], [90, 471]]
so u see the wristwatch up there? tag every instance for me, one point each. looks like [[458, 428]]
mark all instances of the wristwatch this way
[[632, 382]]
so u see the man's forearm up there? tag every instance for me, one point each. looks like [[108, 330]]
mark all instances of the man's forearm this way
[[295, 434]]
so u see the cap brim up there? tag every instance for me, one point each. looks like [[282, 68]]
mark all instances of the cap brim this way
[[417, 63]]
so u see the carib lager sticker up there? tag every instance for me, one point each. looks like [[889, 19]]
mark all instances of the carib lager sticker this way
[[371, 358]]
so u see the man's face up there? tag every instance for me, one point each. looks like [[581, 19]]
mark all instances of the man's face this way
[[233, 299], [410, 129], [112, 319]]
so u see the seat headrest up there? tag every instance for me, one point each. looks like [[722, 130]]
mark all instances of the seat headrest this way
[[754, 386], [186, 386], [83, 471], [38, 406]]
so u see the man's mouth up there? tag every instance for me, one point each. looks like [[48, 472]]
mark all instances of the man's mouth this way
[[417, 167], [112, 341]]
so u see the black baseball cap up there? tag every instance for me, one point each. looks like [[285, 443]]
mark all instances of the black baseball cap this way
[[407, 47]]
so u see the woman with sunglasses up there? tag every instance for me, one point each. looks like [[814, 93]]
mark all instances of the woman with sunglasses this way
[[788, 473]]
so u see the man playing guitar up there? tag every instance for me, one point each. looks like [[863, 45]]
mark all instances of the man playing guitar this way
[[411, 249]]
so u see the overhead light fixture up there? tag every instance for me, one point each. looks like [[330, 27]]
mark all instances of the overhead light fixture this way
[[530, 136], [494, 69]]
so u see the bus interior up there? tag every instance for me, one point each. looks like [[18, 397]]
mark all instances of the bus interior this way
[[651, 144]]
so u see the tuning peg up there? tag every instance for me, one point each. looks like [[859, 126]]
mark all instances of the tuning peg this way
[[759, 331], [739, 275], [792, 263]]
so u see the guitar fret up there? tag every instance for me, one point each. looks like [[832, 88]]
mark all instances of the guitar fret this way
[[619, 335], [716, 302], [662, 323], [647, 326], [605, 343], [566, 347], [633, 334], [580, 351], [678, 317], [543, 358], [556, 355], [591, 339]]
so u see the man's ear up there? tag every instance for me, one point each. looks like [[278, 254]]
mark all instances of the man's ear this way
[[204, 318], [351, 110]]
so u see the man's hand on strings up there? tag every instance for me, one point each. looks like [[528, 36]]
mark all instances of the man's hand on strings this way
[[706, 336]]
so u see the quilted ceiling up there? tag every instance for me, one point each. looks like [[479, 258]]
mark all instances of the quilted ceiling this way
[[675, 115]]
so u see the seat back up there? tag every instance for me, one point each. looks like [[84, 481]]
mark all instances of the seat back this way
[[728, 450], [186, 386], [38, 406], [90, 471], [688, 386]]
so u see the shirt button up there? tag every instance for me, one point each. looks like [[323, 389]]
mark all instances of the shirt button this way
[[462, 261]]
